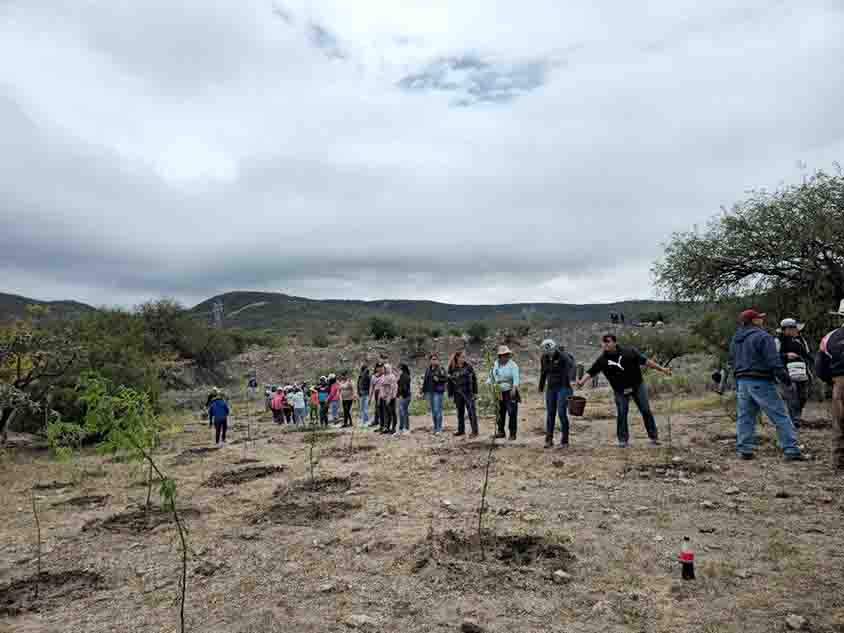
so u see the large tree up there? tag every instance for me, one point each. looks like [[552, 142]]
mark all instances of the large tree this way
[[33, 358], [786, 241]]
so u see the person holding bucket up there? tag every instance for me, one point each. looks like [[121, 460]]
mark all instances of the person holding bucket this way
[[622, 367], [558, 368]]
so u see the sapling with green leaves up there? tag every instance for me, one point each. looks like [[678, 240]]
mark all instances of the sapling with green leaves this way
[[127, 423]]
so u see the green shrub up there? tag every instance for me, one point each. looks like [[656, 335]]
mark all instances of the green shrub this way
[[455, 332], [435, 332], [321, 341], [382, 329], [523, 330], [478, 332]]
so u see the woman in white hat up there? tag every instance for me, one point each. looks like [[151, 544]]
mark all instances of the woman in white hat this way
[[505, 377]]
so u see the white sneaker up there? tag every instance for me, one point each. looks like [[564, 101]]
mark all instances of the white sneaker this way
[[397, 434], [219, 445]]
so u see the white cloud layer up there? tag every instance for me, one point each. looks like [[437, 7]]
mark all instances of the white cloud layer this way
[[467, 152]]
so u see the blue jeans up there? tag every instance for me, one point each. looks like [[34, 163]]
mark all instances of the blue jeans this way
[[404, 414], [622, 406], [334, 404], [755, 394], [364, 409], [556, 401], [435, 400]]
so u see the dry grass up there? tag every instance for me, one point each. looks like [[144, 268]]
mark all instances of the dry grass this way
[[273, 554]]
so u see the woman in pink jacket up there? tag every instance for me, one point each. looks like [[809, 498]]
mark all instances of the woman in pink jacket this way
[[333, 398]]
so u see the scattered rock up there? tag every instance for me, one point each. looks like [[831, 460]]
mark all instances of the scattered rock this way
[[732, 490], [659, 539], [642, 509], [470, 626], [677, 460], [328, 587], [708, 505], [782, 494], [706, 530], [744, 573], [795, 622], [561, 578], [360, 621], [531, 518]]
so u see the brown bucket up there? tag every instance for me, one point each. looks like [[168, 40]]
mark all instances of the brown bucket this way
[[577, 405]]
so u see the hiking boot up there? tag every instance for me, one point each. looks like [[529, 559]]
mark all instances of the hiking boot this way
[[473, 434], [549, 443], [512, 437], [747, 456], [654, 443], [459, 433], [623, 444], [499, 436], [564, 445], [796, 457]]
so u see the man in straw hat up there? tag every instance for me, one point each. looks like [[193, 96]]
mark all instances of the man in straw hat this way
[[504, 376], [830, 368], [623, 368], [756, 364]]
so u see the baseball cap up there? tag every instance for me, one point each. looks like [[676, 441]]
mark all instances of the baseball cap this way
[[788, 323], [749, 315]]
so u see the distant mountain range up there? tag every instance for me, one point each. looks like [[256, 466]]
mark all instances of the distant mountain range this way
[[267, 310], [288, 314], [14, 307]]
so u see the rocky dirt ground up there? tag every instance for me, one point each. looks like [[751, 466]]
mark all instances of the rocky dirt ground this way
[[583, 540]]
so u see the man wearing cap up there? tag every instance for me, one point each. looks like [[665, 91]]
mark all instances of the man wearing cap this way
[[756, 363], [557, 367], [831, 369], [623, 368], [798, 363]]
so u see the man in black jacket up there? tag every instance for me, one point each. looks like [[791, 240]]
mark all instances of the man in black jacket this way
[[557, 369], [623, 368], [364, 381], [794, 352], [830, 368]]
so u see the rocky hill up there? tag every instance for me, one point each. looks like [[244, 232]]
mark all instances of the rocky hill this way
[[289, 314]]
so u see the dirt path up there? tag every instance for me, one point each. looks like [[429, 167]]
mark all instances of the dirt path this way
[[388, 542]]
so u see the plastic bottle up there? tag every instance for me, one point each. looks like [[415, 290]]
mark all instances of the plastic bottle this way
[[687, 560]]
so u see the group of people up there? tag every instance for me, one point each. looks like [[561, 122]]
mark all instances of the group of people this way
[[293, 404], [772, 375]]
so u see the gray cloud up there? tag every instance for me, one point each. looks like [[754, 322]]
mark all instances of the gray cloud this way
[[472, 80], [148, 152], [326, 41]]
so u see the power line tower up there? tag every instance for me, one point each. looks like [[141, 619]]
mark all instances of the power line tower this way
[[217, 313]]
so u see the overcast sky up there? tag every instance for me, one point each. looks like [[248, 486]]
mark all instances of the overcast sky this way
[[466, 151]]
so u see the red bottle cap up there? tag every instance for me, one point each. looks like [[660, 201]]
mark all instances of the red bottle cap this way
[[687, 557]]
